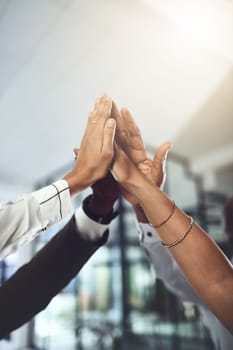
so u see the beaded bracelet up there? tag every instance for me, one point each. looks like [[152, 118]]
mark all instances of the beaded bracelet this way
[[169, 245], [163, 222]]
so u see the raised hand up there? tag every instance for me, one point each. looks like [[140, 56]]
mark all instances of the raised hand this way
[[129, 138], [105, 192], [128, 135], [96, 150], [204, 265]]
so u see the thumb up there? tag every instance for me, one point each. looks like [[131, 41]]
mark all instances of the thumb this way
[[158, 165], [161, 154]]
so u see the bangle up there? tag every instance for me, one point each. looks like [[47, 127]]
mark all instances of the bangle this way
[[163, 222], [169, 245]]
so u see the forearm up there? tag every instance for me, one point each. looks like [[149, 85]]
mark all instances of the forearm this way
[[204, 265], [165, 265], [32, 287], [23, 219]]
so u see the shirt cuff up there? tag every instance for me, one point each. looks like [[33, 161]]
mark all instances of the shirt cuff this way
[[147, 234], [88, 228], [55, 202]]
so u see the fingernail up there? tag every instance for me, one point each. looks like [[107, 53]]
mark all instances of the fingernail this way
[[110, 122]]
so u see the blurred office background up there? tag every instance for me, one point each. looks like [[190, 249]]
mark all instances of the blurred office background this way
[[171, 63]]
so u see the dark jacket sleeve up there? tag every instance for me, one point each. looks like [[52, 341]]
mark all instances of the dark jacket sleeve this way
[[33, 286]]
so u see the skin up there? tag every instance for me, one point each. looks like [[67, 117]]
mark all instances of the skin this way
[[203, 263], [128, 137], [105, 194], [96, 149], [107, 190]]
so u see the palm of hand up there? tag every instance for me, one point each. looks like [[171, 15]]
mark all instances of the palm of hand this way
[[153, 174], [154, 170], [133, 145], [129, 138]]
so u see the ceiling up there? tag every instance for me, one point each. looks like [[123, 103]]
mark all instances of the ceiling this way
[[169, 61]]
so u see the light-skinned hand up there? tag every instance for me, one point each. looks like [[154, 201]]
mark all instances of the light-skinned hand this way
[[96, 149]]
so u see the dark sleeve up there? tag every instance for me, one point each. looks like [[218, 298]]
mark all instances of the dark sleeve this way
[[33, 286]]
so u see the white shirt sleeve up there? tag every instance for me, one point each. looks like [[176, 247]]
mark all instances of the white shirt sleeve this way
[[164, 264], [88, 228], [23, 219], [169, 272]]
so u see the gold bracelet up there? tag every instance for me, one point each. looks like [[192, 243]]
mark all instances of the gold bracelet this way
[[163, 222], [169, 245]]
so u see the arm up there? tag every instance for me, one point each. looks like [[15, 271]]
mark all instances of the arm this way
[[166, 269], [165, 266], [22, 220], [33, 286], [129, 137], [202, 262]]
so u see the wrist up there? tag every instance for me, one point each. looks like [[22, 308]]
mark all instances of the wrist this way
[[100, 205], [141, 217], [74, 183], [136, 185], [99, 210]]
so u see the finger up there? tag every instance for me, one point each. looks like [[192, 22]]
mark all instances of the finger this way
[[91, 119], [116, 156], [161, 154], [115, 113], [99, 100], [158, 164], [121, 131], [134, 134], [108, 138], [105, 106], [102, 109]]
